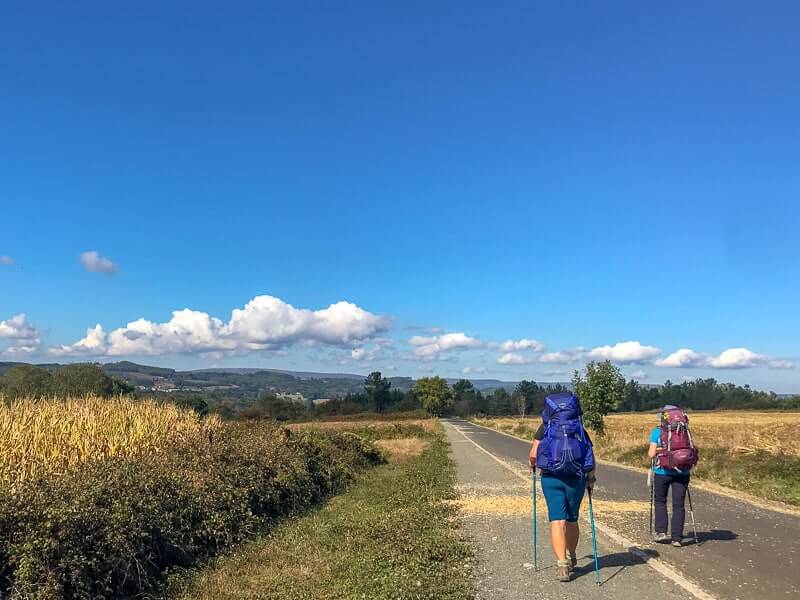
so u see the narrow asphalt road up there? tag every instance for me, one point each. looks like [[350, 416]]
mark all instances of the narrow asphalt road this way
[[496, 513], [745, 552]]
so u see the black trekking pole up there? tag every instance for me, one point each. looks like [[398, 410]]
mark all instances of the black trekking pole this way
[[691, 513]]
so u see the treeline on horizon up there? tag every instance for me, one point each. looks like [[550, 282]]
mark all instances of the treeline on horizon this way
[[430, 394]]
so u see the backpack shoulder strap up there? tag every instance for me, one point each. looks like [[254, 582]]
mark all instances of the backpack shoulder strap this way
[[552, 404]]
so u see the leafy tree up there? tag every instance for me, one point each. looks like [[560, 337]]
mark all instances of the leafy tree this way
[[501, 402], [81, 379], [120, 387], [601, 389], [26, 380], [434, 394], [376, 388], [524, 396], [196, 403]]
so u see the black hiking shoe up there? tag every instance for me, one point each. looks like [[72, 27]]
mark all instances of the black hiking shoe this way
[[662, 538]]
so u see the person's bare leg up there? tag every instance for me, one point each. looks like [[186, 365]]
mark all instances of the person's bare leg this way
[[572, 534], [558, 537]]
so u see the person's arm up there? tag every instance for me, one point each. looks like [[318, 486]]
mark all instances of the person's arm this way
[[653, 450], [537, 437], [532, 455], [655, 440]]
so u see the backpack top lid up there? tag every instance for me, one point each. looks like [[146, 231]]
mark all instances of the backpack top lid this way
[[672, 414], [567, 406]]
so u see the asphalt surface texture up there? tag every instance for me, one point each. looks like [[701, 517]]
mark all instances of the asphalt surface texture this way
[[744, 551]]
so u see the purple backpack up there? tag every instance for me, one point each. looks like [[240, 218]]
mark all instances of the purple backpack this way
[[678, 451], [565, 449]]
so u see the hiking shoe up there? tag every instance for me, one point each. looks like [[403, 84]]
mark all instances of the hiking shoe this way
[[662, 538], [563, 572], [573, 560], [677, 543]]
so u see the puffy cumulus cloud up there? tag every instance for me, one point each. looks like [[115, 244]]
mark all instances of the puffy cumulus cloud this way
[[512, 358], [732, 358], [6, 260], [18, 328], [95, 262], [93, 344], [742, 358], [562, 357], [23, 336], [264, 323], [432, 346], [523, 344], [624, 353], [367, 354], [683, 358]]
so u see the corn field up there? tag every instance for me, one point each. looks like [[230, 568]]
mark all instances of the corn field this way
[[45, 436]]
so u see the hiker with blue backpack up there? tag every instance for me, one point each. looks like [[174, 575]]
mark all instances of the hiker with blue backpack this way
[[673, 454], [562, 451]]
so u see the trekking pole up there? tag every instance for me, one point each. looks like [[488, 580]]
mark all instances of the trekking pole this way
[[651, 485], [533, 548], [594, 540], [691, 513]]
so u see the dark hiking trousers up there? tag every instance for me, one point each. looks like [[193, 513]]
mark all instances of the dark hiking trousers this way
[[678, 483]]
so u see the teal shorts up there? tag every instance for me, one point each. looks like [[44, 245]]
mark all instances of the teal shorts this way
[[563, 494]]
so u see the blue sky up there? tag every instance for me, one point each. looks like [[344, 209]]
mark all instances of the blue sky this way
[[582, 175]]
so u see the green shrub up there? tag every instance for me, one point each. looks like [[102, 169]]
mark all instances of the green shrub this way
[[113, 528]]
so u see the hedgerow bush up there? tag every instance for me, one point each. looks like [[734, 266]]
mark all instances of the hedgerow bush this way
[[115, 528]]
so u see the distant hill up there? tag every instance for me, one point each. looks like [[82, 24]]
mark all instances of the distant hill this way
[[248, 383]]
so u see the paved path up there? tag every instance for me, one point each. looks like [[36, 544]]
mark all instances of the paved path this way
[[746, 552]]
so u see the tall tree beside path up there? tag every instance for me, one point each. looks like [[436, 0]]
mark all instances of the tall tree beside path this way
[[601, 389], [376, 388], [525, 396], [434, 394]]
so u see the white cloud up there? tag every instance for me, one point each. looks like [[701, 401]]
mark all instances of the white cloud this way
[[732, 358], [624, 353], [562, 357], [640, 374], [683, 358], [556, 373], [93, 344], [431, 347], [6, 260], [18, 328], [97, 263], [473, 370], [366, 354], [742, 358], [265, 323], [24, 336], [523, 344], [512, 358]]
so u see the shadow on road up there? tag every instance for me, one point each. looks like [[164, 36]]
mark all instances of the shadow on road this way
[[610, 561], [719, 535]]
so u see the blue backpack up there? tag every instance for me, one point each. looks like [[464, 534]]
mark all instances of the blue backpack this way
[[565, 449]]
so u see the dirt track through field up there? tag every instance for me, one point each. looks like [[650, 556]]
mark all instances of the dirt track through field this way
[[746, 552]]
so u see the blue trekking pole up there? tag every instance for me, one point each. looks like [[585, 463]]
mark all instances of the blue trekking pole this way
[[533, 549], [594, 540]]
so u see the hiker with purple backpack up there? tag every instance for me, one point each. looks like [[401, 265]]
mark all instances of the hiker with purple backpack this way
[[562, 450], [673, 454]]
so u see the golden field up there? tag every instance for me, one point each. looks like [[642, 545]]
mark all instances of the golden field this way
[[45, 436]]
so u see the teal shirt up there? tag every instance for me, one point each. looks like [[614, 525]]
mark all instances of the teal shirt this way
[[655, 438]]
